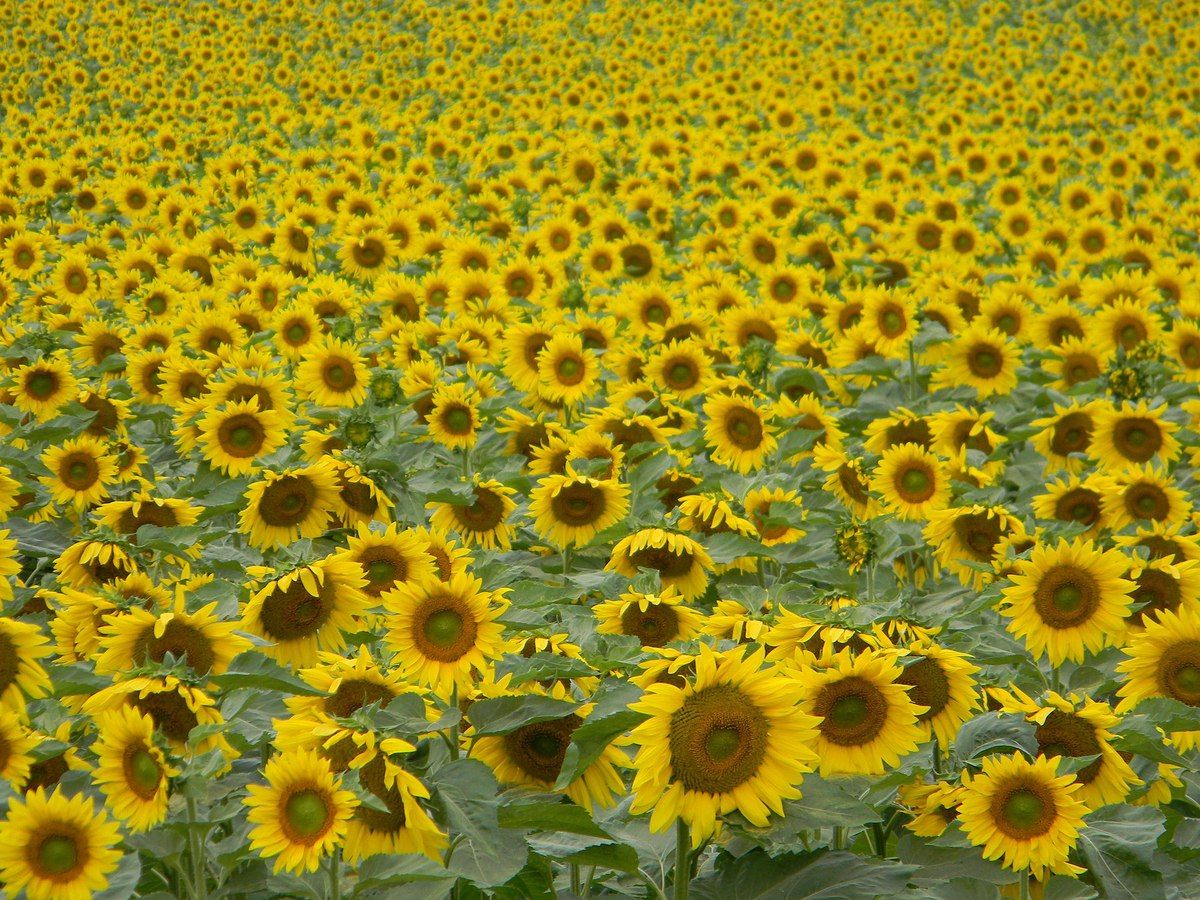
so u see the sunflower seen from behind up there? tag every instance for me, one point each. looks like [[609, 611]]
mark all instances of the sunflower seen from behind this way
[[730, 739]]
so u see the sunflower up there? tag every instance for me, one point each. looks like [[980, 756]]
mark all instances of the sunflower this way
[[912, 482], [1132, 435], [301, 814], [17, 744], [233, 436], [654, 619], [773, 512], [445, 631], [395, 822], [454, 420], [131, 770], [43, 388], [982, 358], [1064, 439], [484, 521], [175, 707], [942, 681], [933, 806], [1076, 361], [1023, 812], [200, 639], [1161, 585], [1144, 494], [846, 480], [127, 516], [308, 609], [567, 373], [388, 558], [970, 534], [22, 647], [679, 561], [729, 740], [570, 510], [681, 367], [1074, 727], [1067, 600], [283, 507], [866, 717], [57, 847], [890, 318], [359, 499], [334, 374], [81, 471], [1163, 660], [737, 433], [1074, 499], [532, 755]]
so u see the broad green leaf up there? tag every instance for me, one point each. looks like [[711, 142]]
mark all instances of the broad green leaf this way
[[502, 715], [1117, 845], [826, 875], [485, 854], [254, 671]]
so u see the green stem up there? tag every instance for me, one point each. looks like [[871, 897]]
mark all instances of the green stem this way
[[575, 888], [912, 371], [454, 742], [871, 582], [937, 758], [587, 887], [655, 891], [840, 837], [1025, 885], [683, 848], [880, 840], [196, 846], [335, 875]]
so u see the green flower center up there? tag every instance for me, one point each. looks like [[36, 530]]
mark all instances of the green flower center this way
[[915, 481], [1023, 809], [722, 743], [849, 711], [57, 854], [242, 436], [41, 384], [1067, 598], [444, 628], [144, 771], [307, 813], [1188, 679], [458, 421]]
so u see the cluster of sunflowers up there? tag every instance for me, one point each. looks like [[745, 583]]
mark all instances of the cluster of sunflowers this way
[[506, 450]]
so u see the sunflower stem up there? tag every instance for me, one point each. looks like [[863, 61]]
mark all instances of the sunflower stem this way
[[1025, 884], [196, 847], [880, 840], [453, 738], [912, 371], [937, 758], [840, 837], [575, 883], [683, 848], [335, 874]]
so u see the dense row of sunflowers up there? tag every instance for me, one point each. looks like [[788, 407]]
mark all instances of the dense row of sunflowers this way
[[494, 449]]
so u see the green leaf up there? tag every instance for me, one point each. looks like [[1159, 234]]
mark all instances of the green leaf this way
[[1117, 845], [502, 715], [76, 678], [565, 817], [254, 671], [586, 851], [823, 804], [485, 854], [944, 863], [1170, 715], [122, 882], [995, 733], [824, 874], [609, 718], [544, 667]]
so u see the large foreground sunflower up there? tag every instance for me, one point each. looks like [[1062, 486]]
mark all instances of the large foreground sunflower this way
[[729, 740], [1024, 813], [1164, 661], [300, 815], [1067, 600], [57, 847]]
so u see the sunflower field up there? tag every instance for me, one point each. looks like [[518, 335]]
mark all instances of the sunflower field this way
[[626, 448]]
